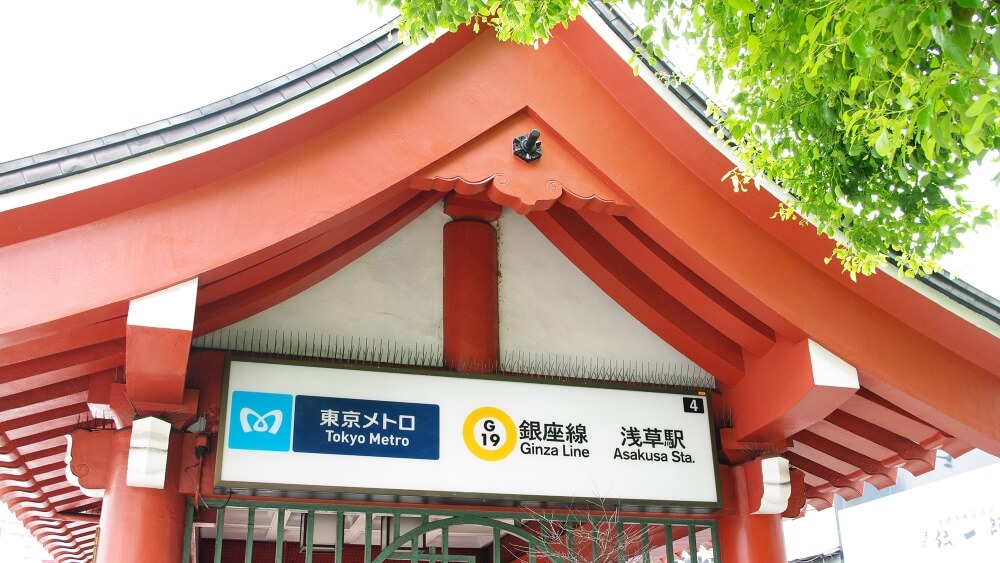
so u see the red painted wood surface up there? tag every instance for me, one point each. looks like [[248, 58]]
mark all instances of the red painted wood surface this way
[[471, 311], [141, 524], [626, 189], [745, 537]]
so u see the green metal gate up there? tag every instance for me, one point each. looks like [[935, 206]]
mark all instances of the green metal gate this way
[[559, 537]]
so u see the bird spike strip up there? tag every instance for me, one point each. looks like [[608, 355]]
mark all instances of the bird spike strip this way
[[377, 352]]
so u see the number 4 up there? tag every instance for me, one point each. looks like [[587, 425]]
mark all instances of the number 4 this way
[[692, 404]]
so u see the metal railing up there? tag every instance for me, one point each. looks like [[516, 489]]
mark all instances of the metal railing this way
[[378, 534]]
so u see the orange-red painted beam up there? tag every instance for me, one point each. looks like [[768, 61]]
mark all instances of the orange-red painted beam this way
[[285, 259], [45, 457], [43, 398], [226, 311], [844, 486], [155, 365], [47, 370], [793, 386], [43, 440], [30, 336], [81, 503], [40, 422], [45, 472], [640, 296], [843, 452], [872, 397], [920, 459], [158, 339], [71, 340], [682, 283]]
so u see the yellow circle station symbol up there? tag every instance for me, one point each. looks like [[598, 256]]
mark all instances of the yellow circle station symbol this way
[[489, 433]]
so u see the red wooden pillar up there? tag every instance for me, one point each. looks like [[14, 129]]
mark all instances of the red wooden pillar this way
[[140, 524], [746, 537], [471, 311]]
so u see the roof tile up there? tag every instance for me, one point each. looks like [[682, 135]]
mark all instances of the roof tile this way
[[120, 136], [145, 143], [344, 66], [15, 164], [379, 35], [178, 133], [186, 116], [268, 101], [368, 52], [41, 172], [294, 89], [112, 153], [302, 71], [349, 49], [11, 180], [150, 127], [275, 83], [214, 121], [238, 107], [217, 106], [321, 77], [77, 163], [324, 61], [238, 113], [53, 154], [244, 96], [86, 145]]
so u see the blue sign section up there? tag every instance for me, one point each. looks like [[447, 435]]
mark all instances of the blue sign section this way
[[332, 425], [260, 421]]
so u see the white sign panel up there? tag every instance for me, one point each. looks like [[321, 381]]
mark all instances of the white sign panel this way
[[292, 426]]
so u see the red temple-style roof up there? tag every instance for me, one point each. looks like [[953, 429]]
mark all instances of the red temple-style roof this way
[[263, 195]]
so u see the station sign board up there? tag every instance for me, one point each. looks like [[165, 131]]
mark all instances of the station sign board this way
[[306, 427]]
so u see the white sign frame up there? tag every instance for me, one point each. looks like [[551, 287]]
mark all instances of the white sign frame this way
[[673, 483]]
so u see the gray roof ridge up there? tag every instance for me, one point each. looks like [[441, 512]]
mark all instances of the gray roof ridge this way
[[965, 294], [689, 94], [962, 292], [80, 157]]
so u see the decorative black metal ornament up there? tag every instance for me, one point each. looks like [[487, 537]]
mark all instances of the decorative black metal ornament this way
[[528, 147]]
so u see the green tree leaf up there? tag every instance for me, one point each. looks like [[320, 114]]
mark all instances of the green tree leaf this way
[[865, 111], [745, 6], [861, 44]]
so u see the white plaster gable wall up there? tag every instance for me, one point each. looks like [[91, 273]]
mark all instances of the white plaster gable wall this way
[[550, 312], [548, 306], [393, 293]]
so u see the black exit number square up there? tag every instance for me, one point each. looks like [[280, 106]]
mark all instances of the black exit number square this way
[[694, 404]]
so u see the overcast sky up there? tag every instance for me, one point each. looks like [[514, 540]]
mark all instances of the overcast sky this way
[[75, 70]]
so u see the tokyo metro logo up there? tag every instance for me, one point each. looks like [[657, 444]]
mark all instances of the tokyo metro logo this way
[[260, 421]]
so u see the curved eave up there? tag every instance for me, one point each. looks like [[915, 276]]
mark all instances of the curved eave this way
[[261, 215], [936, 305], [939, 287], [52, 173], [670, 198], [87, 156], [81, 184]]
